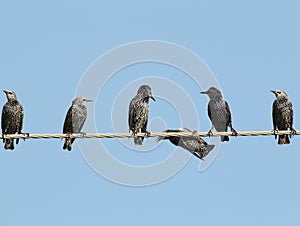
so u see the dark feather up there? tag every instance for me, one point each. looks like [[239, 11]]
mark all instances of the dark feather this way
[[138, 113], [12, 121], [74, 121]]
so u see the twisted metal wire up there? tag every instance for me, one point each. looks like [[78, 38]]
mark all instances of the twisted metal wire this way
[[153, 134]]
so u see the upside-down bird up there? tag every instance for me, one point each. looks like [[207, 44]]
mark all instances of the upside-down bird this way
[[138, 113], [219, 112], [75, 119], [282, 114], [194, 144], [12, 118]]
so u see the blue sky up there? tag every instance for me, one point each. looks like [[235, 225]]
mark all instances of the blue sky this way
[[251, 48]]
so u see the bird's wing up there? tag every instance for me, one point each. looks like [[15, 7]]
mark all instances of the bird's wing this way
[[146, 113], [5, 119], [209, 112], [21, 119], [274, 115], [229, 122], [131, 115], [292, 114], [68, 122]]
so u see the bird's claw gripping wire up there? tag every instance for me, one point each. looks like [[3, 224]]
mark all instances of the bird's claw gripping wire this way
[[234, 132], [293, 132], [147, 134], [210, 133], [25, 134]]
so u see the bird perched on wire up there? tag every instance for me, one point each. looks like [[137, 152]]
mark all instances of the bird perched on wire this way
[[282, 114], [138, 113], [194, 144], [219, 113], [75, 119], [12, 118]]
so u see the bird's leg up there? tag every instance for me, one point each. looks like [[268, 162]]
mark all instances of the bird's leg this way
[[234, 133], [147, 134], [210, 133], [68, 135], [275, 131]]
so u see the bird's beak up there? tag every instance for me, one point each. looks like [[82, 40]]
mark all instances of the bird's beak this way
[[152, 98], [273, 91], [203, 92], [87, 100], [4, 91]]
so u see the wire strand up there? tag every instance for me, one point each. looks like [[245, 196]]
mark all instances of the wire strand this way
[[153, 134]]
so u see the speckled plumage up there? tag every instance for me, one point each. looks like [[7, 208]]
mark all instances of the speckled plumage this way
[[138, 112], [74, 120], [194, 144], [12, 118], [282, 114], [219, 112]]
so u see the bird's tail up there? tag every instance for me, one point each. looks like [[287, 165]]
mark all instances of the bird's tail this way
[[283, 139], [9, 144], [202, 154], [210, 147], [138, 140], [224, 138], [68, 144], [207, 150]]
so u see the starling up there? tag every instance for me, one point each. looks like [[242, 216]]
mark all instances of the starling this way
[[12, 118], [75, 119], [194, 144], [282, 115], [138, 113], [219, 113]]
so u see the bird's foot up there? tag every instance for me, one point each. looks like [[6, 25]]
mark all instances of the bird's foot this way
[[234, 132], [68, 135], [147, 134], [25, 134], [133, 133], [210, 133], [293, 132], [275, 132]]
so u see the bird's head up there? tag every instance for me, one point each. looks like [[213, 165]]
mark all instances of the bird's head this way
[[280, 94], [10, 95], [80, 101], [145, 92], [213, 93]]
